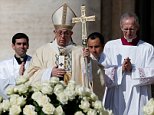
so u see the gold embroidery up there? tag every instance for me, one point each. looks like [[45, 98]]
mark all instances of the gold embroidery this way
[[67, 77]]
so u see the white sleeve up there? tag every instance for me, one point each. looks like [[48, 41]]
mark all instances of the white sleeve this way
[[113, 76], [144, 75], [46, 74]]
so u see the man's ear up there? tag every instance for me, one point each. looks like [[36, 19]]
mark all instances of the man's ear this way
[[12, 46], [28, 46]]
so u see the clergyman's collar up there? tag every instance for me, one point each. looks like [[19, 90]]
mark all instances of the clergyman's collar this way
[[21, 59]]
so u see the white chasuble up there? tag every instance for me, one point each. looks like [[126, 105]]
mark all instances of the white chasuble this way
[[45, 59]]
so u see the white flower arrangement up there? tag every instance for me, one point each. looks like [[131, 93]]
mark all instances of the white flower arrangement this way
[[50, 98], [148, 109]]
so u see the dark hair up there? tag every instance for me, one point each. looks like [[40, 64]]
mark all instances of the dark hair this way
[[95, 35], [19, 36]]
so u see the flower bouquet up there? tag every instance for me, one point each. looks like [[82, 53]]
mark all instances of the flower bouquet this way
[[50, 98], [148, 109]]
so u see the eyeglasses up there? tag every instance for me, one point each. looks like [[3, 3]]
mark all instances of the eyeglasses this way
[[65, 33], [127, 29]]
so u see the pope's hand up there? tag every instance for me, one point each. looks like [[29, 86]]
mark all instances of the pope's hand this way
[[58, 72], [86, 54]]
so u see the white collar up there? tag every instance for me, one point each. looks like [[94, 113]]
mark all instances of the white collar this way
[[130, 40], [67, 49]]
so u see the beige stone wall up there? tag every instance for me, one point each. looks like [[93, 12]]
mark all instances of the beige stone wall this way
[[33, 17]]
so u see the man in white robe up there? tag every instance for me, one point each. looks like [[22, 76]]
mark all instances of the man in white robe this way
[[61, 58], [14, 67], [129, 64]]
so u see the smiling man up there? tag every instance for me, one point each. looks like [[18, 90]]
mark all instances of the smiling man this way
[[14, 67]]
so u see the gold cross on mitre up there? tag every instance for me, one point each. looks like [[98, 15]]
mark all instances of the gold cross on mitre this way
[[83, 19]]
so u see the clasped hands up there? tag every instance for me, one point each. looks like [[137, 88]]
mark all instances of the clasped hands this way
[[126, 66]]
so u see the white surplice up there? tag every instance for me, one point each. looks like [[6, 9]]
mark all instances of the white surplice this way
[[126, 93], [9, 71]]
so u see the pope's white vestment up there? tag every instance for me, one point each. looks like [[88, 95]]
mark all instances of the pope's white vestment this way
[[9, 71], [46, 57], [127, 93]]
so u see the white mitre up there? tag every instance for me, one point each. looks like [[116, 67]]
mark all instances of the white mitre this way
[[62, 17]]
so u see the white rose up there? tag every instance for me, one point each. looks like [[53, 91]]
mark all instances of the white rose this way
[[58, 88], [29, 110], [92, 112], [14, 110], [70, 93], [63, 83], [36, 95], [98, 105], [62, 97], [148, 109], [48, 108], [54, 80], [43, 100], [59, 111], [79, 113], [10, 90], [85, 105], [93, 96], [21, 101], [17, 100], [21, 89], [110, 112], [105, 112], [5, 105], [88, 92], [71, 85], [21, 80], [83, 91], [36, 86], [46, 88], [80, 90]]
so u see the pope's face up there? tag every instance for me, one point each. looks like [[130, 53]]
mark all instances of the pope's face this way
[[129, 28], [95, 47], [20, 47], [63, 36]]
